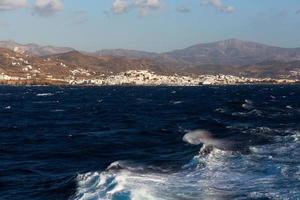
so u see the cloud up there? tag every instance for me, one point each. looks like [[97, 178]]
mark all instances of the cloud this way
[[218, 4], [143, 6], [120, 6], [48, 7], [12, 4]]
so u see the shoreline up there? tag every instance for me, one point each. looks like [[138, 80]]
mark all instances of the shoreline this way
[[146, 78], [134, 85]]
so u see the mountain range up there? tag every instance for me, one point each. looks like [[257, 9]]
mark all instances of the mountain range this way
[[227, 52], [33, 49], [232, 56]]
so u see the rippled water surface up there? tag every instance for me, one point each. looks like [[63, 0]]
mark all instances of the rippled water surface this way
[[124, 143]]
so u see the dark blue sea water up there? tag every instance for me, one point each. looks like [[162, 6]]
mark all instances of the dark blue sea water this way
[[126, 143]]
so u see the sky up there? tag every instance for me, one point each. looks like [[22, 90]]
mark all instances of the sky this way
[[149, 25]]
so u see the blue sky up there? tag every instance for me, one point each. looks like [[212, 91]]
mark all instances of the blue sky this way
[[151, 25]]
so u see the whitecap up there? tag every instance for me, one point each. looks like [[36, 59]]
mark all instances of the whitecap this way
[[117, 184], [7, 107], [220, 110], [248, 104], [44, 94], [254, 112], [176, 102], [58, 110], [217, 174]]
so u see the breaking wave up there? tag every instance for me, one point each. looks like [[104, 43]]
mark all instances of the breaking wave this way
[[162, 143], [217, 174]]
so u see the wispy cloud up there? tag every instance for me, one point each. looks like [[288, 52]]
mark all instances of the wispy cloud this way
[[48, 7], [12, 4], [218, 4], [143, 6]]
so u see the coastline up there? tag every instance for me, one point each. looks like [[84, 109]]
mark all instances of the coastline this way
[[65, 84], [145, 78]]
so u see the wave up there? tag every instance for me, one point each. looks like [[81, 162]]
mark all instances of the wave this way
[[58, 110], [44, 94], [7, 107], [176, 102], [217, 174]]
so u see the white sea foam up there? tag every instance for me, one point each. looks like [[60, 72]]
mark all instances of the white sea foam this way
[[57, 110], [7, 107], [117, 184], [248, 104], [44, 94], [216, 175], [220, 110], [175, 102], [254, 112]]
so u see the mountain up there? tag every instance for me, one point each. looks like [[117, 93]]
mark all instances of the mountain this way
[[107, 64], [33, 49], [276, 69], [230, 57], [233, 52], [70, 65]]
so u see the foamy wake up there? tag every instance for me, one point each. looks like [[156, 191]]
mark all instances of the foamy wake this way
[[270, 171]]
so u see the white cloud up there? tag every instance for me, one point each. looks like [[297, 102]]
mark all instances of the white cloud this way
[[218, 4], [12, 4], [48, 7], [120, 6], [143, 6]]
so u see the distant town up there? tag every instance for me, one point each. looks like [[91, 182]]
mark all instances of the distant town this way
[[216, 63], [143, 78]]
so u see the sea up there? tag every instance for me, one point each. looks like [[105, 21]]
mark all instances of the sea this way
[[150, 143]]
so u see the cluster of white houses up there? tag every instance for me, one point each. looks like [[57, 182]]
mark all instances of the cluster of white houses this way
[[144, 77], [148, 78]]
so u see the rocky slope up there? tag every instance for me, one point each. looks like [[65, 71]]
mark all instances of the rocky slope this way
[[231, 52], [77, 67], [234, 52], [68, 66]]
